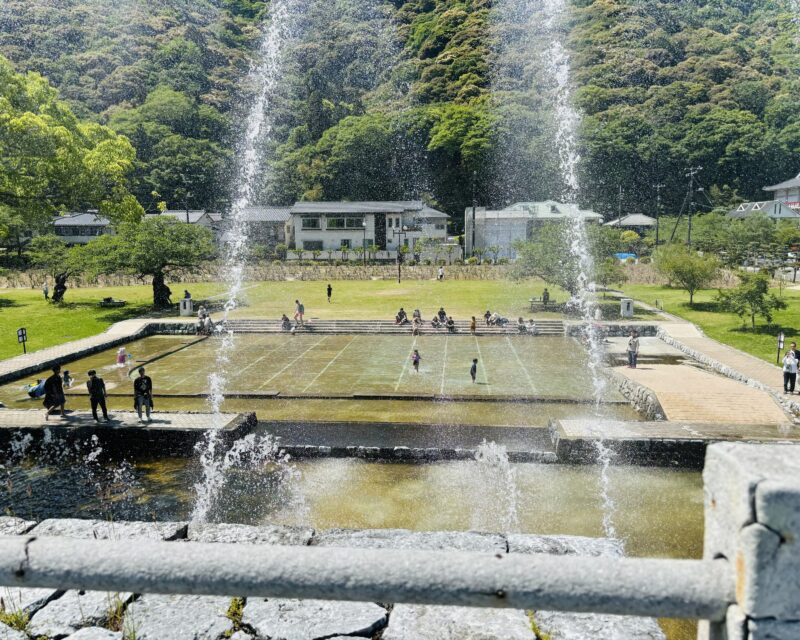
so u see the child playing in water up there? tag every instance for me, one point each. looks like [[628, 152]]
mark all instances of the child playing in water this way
[[473, 370], [415, 360], [122, 357]]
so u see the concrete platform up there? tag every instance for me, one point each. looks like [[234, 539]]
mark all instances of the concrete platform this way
[[167, 433], [664, 443]]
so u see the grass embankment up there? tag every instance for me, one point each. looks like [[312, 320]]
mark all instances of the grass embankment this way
[[723, 326], [80, 316]]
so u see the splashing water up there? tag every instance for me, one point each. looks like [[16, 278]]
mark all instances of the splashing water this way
[[498, 490], [266, 76], [557, 63]]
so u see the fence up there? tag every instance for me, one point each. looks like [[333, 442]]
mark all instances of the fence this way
[[747, 586]]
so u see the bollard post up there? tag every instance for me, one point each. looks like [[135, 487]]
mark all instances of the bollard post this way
[[752, 518]]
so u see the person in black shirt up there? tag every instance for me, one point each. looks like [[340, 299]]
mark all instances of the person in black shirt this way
[[143, 394], [97, 395], [330, 292], [473, 370], [54, 393]]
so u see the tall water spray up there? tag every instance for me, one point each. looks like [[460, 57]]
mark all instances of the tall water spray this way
[[265, 75], [557, 62]]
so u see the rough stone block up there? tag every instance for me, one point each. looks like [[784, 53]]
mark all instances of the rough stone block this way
[[428, 622], [773, 630], [25, 599], [14, 526], [278, 618], [262, 534], [563, 545], [7, 633], [241, 635], [73, 610], [156, 617], [102, 530], [404, 539], [575, 626], [95, 633]]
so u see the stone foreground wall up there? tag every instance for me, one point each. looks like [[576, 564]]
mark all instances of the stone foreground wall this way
[[91, 615]]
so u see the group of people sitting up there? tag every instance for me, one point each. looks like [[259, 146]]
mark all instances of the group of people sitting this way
[[440, 321], [205, 325], [494, 319], [528, 327]]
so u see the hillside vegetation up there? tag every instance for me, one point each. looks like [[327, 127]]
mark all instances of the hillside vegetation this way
[[411, 98]]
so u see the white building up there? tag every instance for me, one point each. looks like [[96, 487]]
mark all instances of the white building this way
[[787, 192], [517, 222], [337, 226], [80, 228]]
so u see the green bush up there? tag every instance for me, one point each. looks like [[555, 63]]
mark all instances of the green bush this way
[[645, 260], [472, 260], [630, 260]]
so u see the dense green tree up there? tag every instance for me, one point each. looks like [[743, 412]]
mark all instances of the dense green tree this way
[[158, 247], [751, 298], [686, 268]]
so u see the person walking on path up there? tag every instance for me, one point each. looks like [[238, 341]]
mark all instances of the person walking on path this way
[[330, 292], [473, 370], [473, 326], [633, 350], [299, 310], [440, 274], [143, 394], [789, 371], [415, 360], [46, 291], [97, 395], [54, 393]]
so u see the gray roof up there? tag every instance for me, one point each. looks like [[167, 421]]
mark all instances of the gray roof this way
[[181, 214], [266, 214], [389, 206], [633, 220], [553, 210], [788, 184], [432, 214], [81, 220], [774, 209]]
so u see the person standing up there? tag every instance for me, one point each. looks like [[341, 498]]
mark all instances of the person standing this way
[[299, 310], [473, 370], [440, 274], [789, 371], [633, 350], [54, 393], [330, 292], [545, 297], [143, 394], [793, 349], [473, 325], [415, 358], [97, 395], [46, 291], [486, 317]]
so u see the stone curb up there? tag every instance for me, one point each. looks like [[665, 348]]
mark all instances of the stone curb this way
[[409, 454], [641, 397]]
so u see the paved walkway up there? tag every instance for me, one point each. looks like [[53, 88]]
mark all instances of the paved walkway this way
[[687, 393], [16, 418], [43, 357], [614, 430], [767, 374]]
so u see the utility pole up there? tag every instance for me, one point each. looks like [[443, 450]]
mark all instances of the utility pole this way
[[472, 243], [691, 174], [658, 187]]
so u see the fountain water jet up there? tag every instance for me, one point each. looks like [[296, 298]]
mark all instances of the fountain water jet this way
[[498, 488], [265, 75], [557, 63]]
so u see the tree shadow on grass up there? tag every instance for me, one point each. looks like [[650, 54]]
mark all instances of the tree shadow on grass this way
[[7, 302], [709, 307], [771, 330]]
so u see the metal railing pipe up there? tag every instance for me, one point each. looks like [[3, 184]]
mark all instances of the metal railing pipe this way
[[643, 587]]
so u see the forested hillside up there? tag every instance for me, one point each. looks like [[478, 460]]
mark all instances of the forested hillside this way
[[408, 98]]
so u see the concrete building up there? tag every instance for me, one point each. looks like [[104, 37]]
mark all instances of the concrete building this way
[[80, 228], [787, 192], [517, 222], [336, 226], [773, 209], [265, 226]]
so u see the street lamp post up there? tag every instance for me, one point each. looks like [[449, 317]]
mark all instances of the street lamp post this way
[[400, 245], [364, 243]]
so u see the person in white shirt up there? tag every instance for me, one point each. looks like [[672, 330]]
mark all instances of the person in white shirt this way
[[633, 350], [789, 371]]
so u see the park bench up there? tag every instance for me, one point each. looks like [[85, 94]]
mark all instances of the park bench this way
[[111, 302]]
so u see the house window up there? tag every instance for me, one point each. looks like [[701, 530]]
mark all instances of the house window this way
[[354, 223], [310, 223], [440, 226], [335, 223], [312, 245], [345, 243]]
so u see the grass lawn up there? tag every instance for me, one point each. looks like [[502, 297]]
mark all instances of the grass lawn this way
[[723, 326], [80, 315]]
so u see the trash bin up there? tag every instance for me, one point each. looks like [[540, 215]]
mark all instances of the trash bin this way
[[186, 307], [626, 308]]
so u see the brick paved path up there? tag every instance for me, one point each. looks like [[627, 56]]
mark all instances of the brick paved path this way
[[687, 393]]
